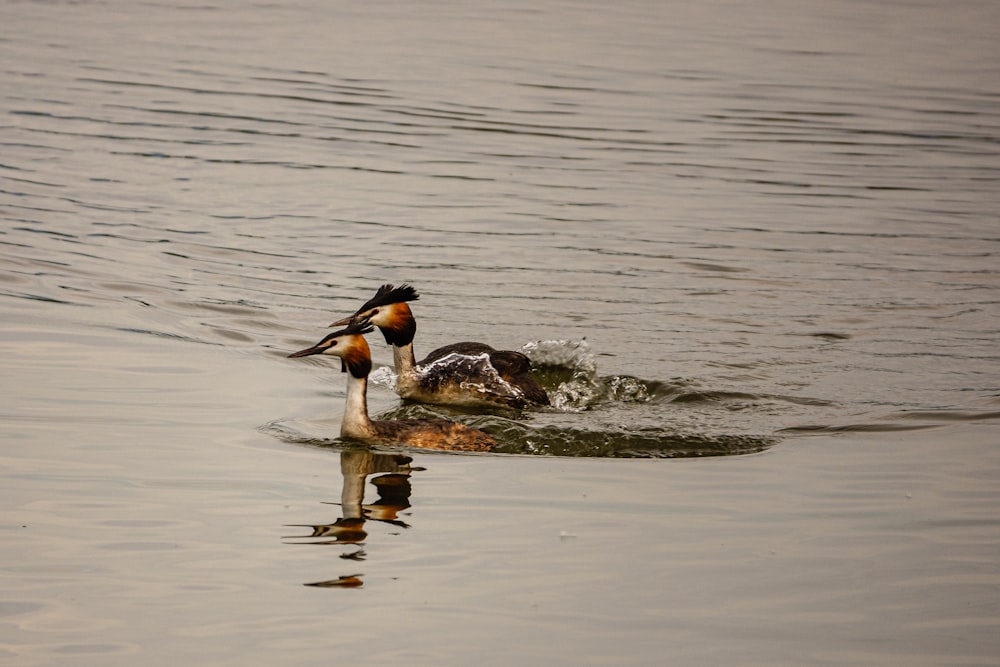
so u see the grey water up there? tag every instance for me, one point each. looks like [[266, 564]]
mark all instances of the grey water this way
[[752, 249]]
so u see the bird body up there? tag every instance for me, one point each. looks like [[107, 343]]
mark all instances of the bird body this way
[[464, 373]]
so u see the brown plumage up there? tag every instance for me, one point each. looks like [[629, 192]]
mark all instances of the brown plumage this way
[[433, 434]]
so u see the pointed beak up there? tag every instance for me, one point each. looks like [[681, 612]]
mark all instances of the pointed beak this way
[[344, 322], [315, 349]]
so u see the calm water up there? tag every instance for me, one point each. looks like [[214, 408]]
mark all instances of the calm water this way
[[753, 245]]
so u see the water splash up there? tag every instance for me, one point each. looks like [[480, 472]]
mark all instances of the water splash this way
[[383, 376], [568, 370], [570, 354]]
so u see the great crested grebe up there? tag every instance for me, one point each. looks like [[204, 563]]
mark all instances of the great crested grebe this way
[[456, 374], [349, 344]]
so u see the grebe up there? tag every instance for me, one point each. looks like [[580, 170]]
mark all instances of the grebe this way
[[457, 374], [349, 344]]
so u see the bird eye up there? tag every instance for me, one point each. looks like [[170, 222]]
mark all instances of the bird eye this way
[[333, 343], [375, 312]]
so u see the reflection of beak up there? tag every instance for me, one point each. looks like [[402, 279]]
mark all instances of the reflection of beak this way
[[315, 349], [345, 581]]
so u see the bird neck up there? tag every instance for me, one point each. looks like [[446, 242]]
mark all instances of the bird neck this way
[[356, 422], [403, 359]]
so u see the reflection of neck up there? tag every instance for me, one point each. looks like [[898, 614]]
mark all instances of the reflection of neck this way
[[356, 423], [354, 470], [353, 495]]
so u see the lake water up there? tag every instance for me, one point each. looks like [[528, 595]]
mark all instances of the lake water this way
[[754, 247]]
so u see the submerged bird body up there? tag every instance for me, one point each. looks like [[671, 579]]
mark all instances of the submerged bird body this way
[[458, 374], [349, 344]]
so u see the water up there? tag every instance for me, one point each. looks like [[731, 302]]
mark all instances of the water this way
[[758, 240]]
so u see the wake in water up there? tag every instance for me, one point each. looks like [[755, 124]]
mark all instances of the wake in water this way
[[590, 415]]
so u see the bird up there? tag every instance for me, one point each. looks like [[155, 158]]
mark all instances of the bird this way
[[350, 346], [467, 373]]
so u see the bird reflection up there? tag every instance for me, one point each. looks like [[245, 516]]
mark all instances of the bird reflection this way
[[393, 487]]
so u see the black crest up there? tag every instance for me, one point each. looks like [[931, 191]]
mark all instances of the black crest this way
[[389, 294], [352, 329]]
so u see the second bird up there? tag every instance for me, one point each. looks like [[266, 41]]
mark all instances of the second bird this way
[[458, 374]]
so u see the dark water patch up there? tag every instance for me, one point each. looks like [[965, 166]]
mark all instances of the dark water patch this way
[[131, 288], [709, 396], [947, 415], [39, 297], [674, 394], [231, 335], [239, 307], [829, 335], [641, 443], [718, 268], [25, 181], [164, 334], [824, 429], [51, 232], [520, 437], [209, 92], [205, 114]]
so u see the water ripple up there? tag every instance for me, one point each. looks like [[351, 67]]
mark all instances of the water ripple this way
[[742, 246]]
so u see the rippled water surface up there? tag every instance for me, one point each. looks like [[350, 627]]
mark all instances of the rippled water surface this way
[[757, 239]]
